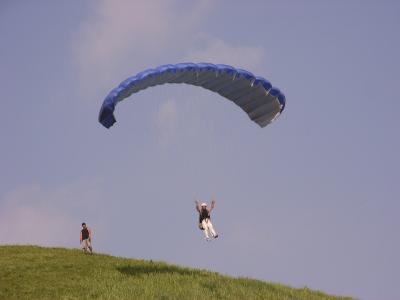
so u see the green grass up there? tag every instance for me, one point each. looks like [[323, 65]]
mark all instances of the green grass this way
[[29, 272]]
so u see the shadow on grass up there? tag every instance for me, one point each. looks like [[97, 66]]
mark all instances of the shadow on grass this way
[[136, 270]]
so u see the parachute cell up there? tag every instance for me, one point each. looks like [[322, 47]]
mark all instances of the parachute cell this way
[[262, 102]]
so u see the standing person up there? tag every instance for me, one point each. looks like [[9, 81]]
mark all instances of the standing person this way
[[205, 219], [86, 239]]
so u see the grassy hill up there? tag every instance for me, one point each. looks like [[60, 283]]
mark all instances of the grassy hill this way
[[29, 272]]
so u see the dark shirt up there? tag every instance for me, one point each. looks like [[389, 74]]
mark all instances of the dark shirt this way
[[85, 234], [204, 214]]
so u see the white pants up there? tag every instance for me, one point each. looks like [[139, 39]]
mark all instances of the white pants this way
[[86, 244], [208, 228]]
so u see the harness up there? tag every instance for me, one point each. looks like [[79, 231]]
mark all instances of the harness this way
[[203, 215]]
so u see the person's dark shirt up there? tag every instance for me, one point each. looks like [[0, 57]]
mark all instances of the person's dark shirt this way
[[204, 214], [85, 234]]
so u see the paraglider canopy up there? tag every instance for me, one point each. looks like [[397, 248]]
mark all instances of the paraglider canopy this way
[[262, 102]]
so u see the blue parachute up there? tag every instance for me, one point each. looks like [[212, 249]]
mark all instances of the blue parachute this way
[[262, 102]]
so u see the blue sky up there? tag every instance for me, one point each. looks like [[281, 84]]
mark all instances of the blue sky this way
[[311, 200]]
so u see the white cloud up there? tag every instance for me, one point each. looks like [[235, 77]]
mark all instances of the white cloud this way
[[31, 214], [121, 38], [215, 50], [166, 119]]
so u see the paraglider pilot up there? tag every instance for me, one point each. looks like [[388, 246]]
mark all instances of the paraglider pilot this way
[[205, 219]]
